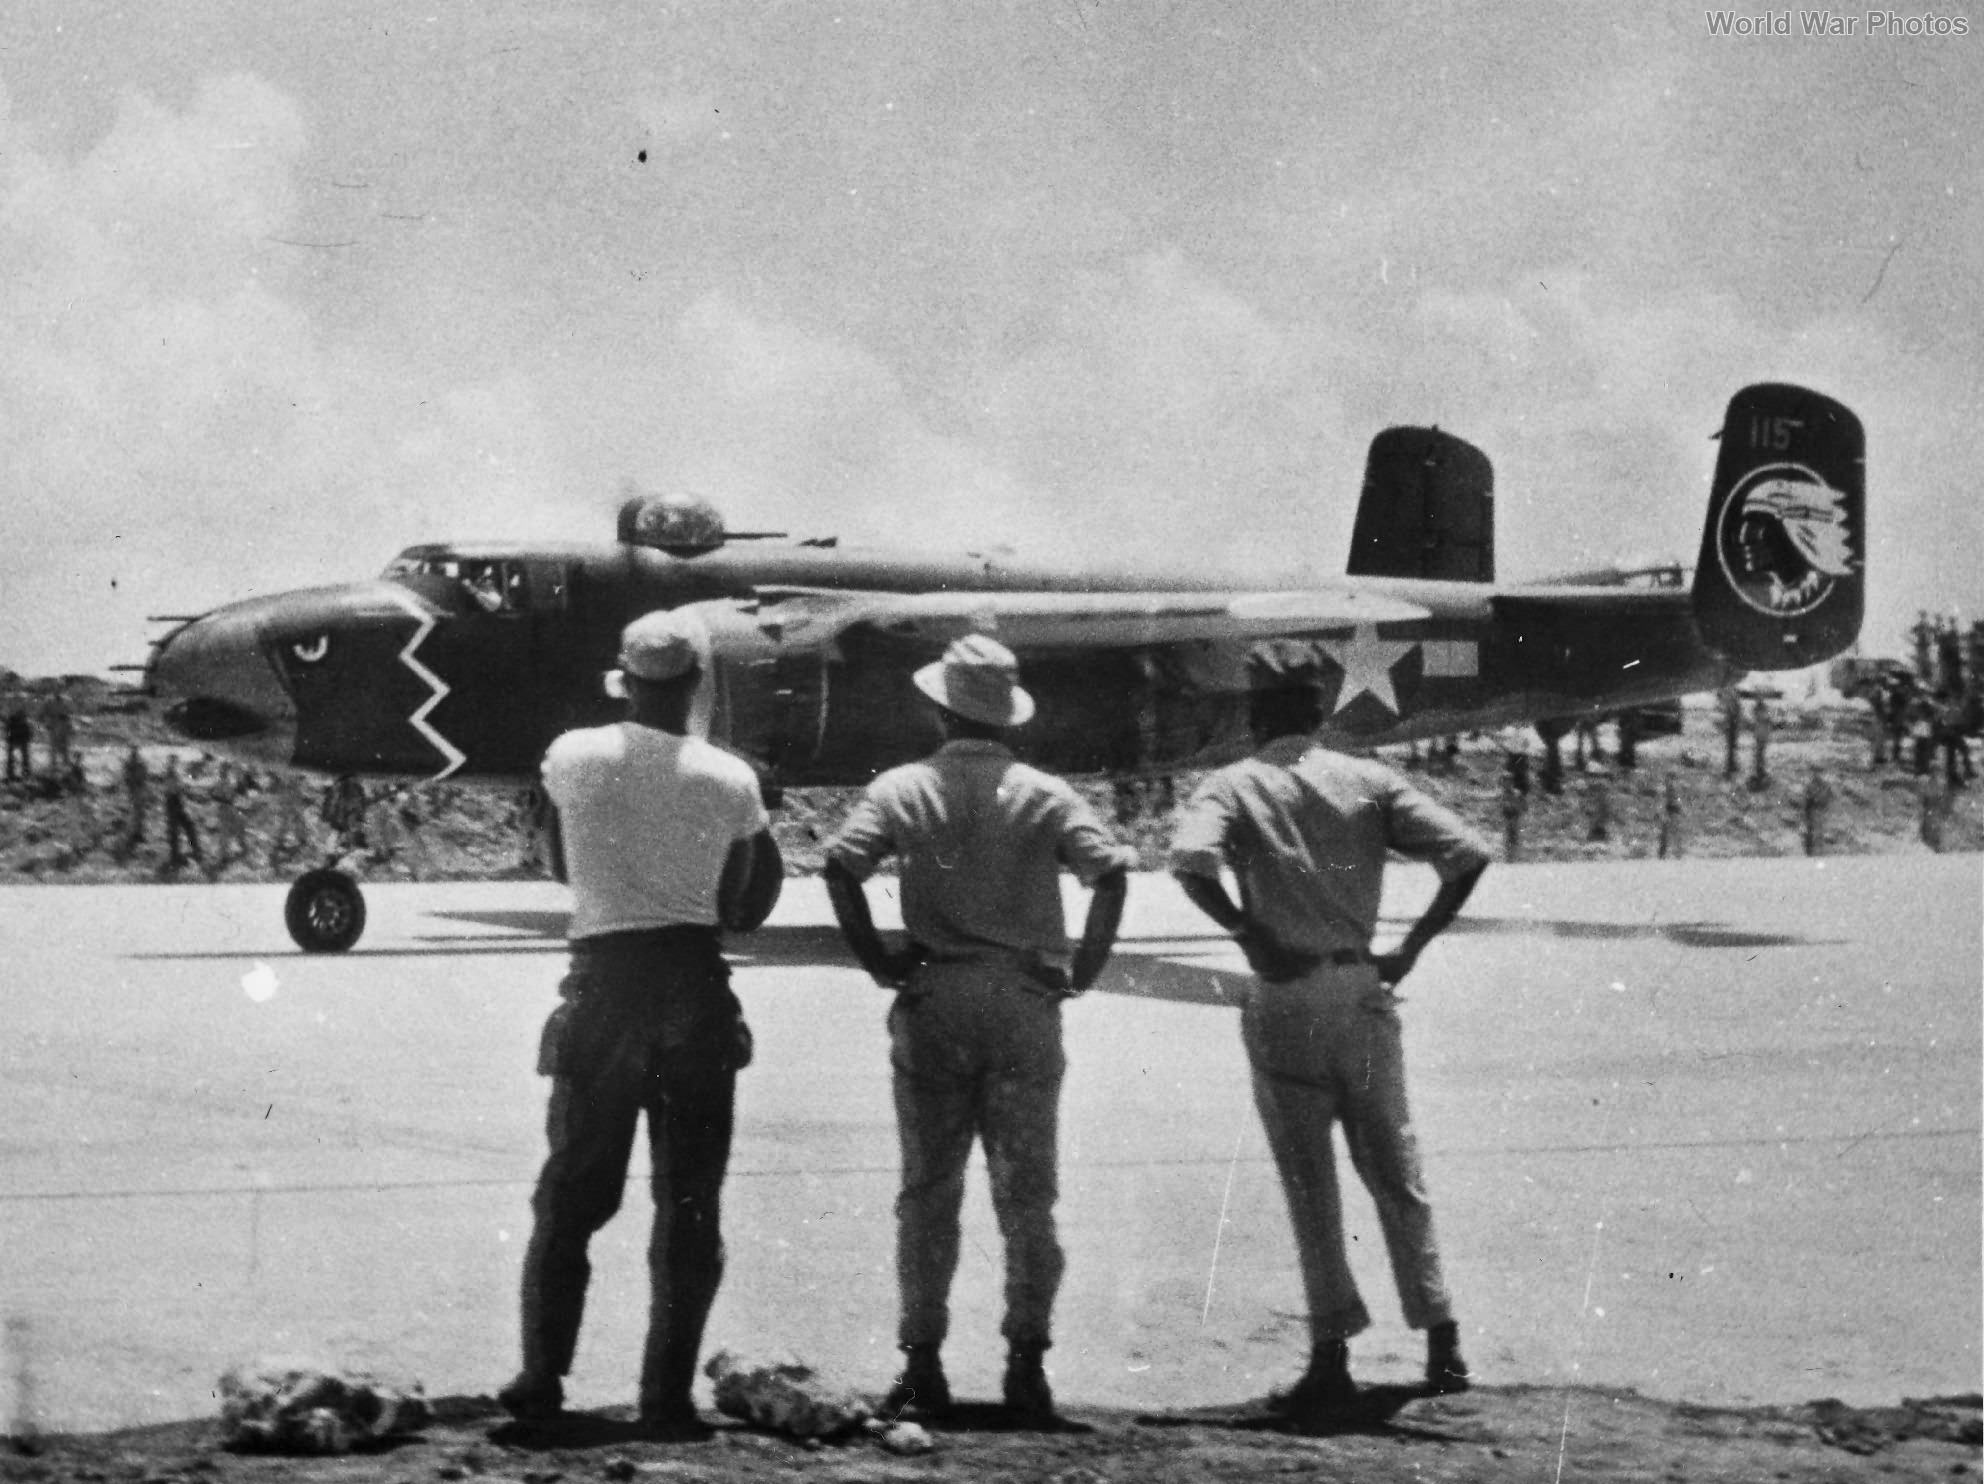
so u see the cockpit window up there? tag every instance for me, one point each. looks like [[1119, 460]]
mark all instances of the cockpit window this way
[[1666, 575], [497, 585]]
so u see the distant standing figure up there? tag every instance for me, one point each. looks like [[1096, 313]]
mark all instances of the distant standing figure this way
[[1935, 803], [1671, 843], [1598, 811], [1760, 725], [1817, 805], [179, 827], [230, 827], [1551, 777], [1897, 693], [1629, 739], [1515, 770], [1950, 719], [532, 820], [138, 790], [1876, 696], [414, 847], [292, 827], [344, 812], [1730, 703], [1515, 803], [383, 825], [1920, 719], [20, 742], [61, 729]]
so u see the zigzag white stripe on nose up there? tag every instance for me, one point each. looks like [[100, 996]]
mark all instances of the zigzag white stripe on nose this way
[[426, 619]]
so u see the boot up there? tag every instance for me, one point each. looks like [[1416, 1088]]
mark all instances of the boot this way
[[1446, 1372], [667, 1406], [921, 1391], [1325, 1395], [530, 1398], [1029, 1399]]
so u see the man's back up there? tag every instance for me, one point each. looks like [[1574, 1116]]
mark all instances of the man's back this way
[[647, 818], [1306, 832], [982, 838]]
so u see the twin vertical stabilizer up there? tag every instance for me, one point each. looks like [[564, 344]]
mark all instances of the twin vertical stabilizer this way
[[1781, 581]]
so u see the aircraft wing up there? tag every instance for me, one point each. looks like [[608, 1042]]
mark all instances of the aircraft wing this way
[[1598, 603], [1073, 620]]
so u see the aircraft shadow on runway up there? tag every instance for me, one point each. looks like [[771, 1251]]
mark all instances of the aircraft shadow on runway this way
[[1143, 967], [1198, 968], [1686, 934], [795, 944]]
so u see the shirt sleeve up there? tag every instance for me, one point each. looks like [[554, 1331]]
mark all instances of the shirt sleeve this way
[[1089, 847], [557, 772], [1421, 830], [1198, 835], [864, 839], [752, 816]]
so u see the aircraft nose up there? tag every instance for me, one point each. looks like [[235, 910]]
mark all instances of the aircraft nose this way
[[221, 687]]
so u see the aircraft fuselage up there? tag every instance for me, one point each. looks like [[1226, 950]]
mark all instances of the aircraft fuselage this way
[[466, 660]]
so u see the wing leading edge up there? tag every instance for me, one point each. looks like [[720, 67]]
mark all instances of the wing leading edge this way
[[1053, 620]]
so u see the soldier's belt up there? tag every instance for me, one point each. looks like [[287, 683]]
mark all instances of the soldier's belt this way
[[1040, 977]]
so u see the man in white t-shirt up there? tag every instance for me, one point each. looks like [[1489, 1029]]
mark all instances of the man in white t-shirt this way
[[664, 841]]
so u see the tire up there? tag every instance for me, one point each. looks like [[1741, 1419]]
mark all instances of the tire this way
[[325, 912]]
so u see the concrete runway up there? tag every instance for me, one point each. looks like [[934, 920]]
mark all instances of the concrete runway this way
[[1706, 1129]]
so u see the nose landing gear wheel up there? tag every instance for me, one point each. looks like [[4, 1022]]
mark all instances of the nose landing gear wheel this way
[[325, 912]]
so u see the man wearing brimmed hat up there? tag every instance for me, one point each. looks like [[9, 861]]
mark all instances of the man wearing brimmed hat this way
[[1305, 832], [976, 1028], [665, 842]]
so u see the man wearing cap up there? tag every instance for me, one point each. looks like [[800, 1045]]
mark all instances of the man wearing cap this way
[[1305, 832], [975, 1031], [664, 841]]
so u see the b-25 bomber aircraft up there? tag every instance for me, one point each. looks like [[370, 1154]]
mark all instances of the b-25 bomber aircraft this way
[[464, 661]]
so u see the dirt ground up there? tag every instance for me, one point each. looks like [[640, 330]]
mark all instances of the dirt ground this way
[[1491, 1434], [57, 835]]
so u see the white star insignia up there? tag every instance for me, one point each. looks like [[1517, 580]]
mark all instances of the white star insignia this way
[[1367, 664]]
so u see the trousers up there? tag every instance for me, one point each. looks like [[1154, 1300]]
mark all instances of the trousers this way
[[179, 825], [1327, 1049], [648, 1026], [976, 1056]]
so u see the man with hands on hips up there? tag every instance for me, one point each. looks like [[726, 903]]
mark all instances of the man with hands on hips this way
[[1305, 832], [975, 1032]]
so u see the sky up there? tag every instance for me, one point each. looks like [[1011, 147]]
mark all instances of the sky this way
[[284, 289]]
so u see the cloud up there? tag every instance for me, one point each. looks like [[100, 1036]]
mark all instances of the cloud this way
[[775, 423], [678, 118], [177, 427], [1152, 407]]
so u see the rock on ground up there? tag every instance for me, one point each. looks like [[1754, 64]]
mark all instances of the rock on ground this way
[[785, 1396], [275, 1408]]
